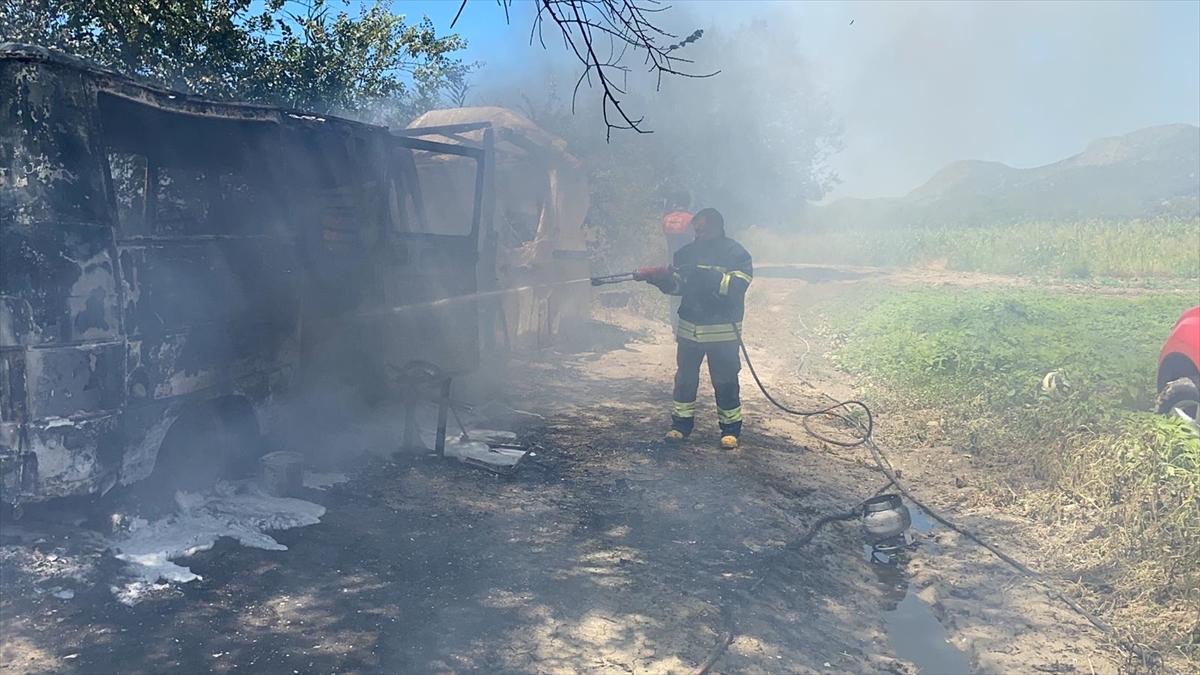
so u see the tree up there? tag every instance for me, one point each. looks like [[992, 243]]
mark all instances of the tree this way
[[293, 53], [300, 53]]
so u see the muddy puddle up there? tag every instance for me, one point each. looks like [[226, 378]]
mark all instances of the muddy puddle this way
[[915, 634]]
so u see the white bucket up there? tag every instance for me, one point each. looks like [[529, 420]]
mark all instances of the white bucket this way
[[283, 473]]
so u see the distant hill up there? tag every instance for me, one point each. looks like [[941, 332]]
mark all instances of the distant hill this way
[[1151, 172]]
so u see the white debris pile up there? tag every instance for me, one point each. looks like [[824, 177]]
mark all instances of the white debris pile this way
[[478, 453], [241, 512], [315, 480], [136, 591]]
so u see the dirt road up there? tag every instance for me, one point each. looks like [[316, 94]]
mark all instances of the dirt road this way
[[611, 553]]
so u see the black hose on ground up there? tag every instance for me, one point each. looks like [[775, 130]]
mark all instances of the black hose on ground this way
[[885, 466], [867, 428]]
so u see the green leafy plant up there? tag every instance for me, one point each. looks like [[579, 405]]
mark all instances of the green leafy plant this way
[[307, 54]]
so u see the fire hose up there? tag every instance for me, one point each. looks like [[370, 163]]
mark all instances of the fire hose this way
[[867, 427]]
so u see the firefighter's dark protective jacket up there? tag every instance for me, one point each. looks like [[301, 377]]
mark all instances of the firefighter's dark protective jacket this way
[[712, 277]]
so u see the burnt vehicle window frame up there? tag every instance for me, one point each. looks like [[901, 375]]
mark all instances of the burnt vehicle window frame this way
[[215, 150]]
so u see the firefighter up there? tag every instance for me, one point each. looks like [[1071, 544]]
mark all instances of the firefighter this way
[[677, 230], [710, 275]]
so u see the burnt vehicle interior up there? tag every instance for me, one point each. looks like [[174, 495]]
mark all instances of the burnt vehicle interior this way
[[182, 185]]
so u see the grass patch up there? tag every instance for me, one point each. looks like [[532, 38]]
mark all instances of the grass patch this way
[[1085, 453], [1158, 248], [996, 347]]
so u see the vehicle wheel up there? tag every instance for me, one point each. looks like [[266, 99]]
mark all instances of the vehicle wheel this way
[[198, 451], [1182, 394]]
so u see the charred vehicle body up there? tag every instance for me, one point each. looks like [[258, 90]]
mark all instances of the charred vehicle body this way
[[170, 264]]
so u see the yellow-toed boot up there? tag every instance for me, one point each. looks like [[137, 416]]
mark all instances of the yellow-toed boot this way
[[675, 436], [729, 442]]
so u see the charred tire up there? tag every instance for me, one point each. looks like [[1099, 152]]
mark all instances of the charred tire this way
[[200, 449], [1183, 394]]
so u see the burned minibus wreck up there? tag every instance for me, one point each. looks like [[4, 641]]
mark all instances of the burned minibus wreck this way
[[171, 264]]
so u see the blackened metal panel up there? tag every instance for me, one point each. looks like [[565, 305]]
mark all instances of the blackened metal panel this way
[[48, 172], [67, 381], [202, 314], [17, 328], [55, 243], [177, 282], [73, 457], [14, 405], [61, 277]]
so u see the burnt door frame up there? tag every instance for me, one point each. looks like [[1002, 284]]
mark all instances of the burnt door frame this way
[[482, 264]]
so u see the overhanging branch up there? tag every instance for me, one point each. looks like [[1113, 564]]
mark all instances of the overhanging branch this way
[[627, 26]]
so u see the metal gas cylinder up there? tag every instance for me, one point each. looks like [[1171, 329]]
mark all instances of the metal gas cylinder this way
[[884, 517]]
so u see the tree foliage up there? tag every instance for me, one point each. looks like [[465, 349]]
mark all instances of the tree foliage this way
[[304, 54], [310, 54]]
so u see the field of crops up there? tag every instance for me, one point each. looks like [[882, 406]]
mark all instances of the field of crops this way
[[1083, 448], [1157, 248]]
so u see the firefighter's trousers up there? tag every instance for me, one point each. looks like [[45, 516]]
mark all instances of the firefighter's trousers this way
[[724, 364]]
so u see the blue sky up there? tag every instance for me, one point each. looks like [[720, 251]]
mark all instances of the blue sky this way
[[920, 84]]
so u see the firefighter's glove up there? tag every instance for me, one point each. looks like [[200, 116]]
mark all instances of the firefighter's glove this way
[[664, 283]]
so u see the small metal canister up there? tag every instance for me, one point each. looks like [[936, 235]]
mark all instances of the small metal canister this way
[[884, 517]]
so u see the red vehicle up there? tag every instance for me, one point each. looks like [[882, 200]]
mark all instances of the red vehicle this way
[[1179, 368]]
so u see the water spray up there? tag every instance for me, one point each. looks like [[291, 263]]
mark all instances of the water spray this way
[[442, 302], [478, 296]]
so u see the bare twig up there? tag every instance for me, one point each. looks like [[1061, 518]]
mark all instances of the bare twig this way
[[460, 11], [624, 23]]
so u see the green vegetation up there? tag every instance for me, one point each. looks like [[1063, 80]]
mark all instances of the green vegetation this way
[[995, 347], [306, 54], [1160, 247], [969, 368]]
